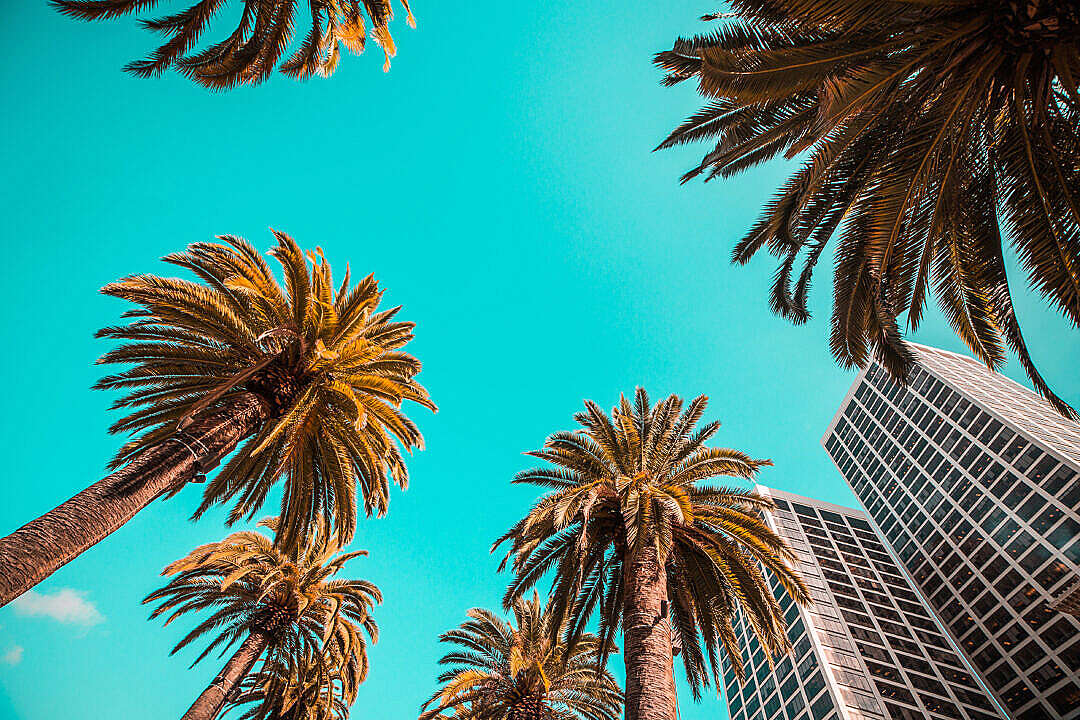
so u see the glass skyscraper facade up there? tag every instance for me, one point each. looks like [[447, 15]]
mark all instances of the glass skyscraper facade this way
[[867, 649], [974, 482]]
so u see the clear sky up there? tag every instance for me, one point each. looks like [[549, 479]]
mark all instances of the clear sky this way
[[500, 183]]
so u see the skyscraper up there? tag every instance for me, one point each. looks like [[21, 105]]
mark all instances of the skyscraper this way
[[975, 483], [867, 649]]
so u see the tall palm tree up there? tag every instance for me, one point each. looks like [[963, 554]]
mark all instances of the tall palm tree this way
[[521, 671], [313, 376], [262, 35], [926, 127], [314, 688], [633, 536], [284, 607]]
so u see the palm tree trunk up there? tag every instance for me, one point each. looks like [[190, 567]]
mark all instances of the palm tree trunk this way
[[650, 687], [39, 548], [209, 703]]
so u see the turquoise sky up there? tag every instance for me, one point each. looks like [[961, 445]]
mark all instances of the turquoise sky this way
[[500, 183]]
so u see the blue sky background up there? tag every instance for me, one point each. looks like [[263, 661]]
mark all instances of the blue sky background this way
[[499, 182]]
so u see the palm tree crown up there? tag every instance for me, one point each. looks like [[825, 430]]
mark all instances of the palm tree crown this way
[[929, 126], [262, 35], [314, 688], [325, 360], [521, 671], [248, 584], [630, 484]]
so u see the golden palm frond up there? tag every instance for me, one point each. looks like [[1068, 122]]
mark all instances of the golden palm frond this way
[[323, 358], [246, 583], [521, 671], [258, 43], [634, 479], [318, 687], [927, 127]]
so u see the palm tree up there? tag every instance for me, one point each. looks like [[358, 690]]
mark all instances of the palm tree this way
[[634, 537], [284, 607], [258, 43], [312, 375], [311, 689], [927, 127], [521, 671]]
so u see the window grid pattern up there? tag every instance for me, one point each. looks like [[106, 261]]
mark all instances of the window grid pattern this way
[[885, 653], [1005, 398], [779, 692], [983, 517], [794, 687]]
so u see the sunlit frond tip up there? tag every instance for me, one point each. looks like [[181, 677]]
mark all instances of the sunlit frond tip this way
[[258, 43]]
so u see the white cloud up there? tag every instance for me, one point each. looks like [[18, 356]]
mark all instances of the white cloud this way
[[65, 606], [13, 656]]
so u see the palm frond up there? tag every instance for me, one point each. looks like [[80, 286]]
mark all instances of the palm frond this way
[[259, 41], [632, 480], [316, 628], [325, 362], [521, 669], [894, 104]]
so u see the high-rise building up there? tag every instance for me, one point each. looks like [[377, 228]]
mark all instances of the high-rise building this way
[[867, 649], [974, 481]]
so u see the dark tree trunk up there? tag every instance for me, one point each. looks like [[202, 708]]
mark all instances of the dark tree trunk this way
[[42, 546], [209, 703], [650, 686]]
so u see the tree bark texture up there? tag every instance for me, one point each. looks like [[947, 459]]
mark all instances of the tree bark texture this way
[[42, 546], [650, 686], [212, 700]]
